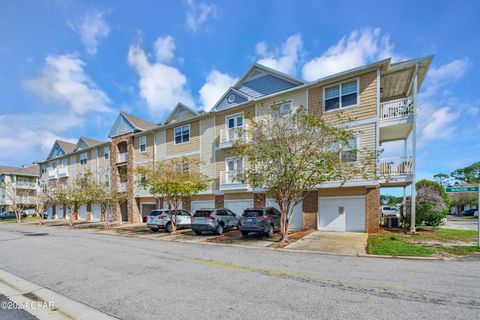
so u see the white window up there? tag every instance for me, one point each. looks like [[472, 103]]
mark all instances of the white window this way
[[235, 121], [44, 169], [341, 95], [282, 108], [64, 163], [182, 134], [107, 180], [233, 166], [83, 158], [142, 141], [349, 152], [106, 153]]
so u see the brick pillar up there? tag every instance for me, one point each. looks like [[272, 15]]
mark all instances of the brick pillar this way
[[187, 204], [219, 201], [88, 215], [259, 200], [372, 217], [115, 178], [64, 209], [310, 210], [54, 211], [159, 203], [133, 211]]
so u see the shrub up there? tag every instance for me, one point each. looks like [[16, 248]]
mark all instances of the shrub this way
[[427, 214]]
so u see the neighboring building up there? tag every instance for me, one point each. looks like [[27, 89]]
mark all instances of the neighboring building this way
[[18, 185], [378, 100]]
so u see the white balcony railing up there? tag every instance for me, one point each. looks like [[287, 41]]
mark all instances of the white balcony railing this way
[[122, 157], [396, 166], [229, 180], [52, 173], [396, 108], [122, 187], [229, 135], [63, 171], [26, 185]]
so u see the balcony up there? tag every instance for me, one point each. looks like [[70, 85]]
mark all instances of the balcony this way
[[396, 170], [229, 135], [229, 181], [63, 171], [396, 119], [122, 157], [26, 185], [122, 186], [52, 173]]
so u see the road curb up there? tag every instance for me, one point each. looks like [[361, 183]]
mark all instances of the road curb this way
[[22, 291]]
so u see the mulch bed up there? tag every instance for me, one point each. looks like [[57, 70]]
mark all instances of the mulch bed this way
[[403, 231], [292, 237]]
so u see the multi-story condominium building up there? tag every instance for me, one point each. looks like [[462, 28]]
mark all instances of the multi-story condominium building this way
[[376, 101], [18, 186]]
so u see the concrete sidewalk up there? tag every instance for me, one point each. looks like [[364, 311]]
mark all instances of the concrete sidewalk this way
[[341, 243]]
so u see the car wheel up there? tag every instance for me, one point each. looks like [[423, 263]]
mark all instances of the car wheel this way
[[197, 232], [269, 232], [168, 227], [244, 233], [154, 229], [219, 229]]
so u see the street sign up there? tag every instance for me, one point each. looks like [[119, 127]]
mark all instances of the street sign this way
[[461, 189]]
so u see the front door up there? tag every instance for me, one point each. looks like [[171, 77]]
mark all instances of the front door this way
[[233, 124]]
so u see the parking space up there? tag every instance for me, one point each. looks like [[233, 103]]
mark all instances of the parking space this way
[[343, 243]]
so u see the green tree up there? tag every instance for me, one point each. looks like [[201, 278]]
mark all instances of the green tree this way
[[290, 156], [442, 178], [173, 180], [469, 175]]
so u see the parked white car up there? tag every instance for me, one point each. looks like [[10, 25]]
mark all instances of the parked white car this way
[[160, 219], [390, 211]]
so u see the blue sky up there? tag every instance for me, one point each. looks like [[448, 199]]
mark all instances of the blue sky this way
[[68, 67]]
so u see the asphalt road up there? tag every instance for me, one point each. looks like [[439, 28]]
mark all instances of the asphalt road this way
[[133, 278]]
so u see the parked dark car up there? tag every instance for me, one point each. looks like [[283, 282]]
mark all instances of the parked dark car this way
[[12, 215], [260, 220], [469, 212], [214, 220]]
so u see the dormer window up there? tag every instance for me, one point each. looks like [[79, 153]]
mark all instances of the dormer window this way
[[342, 95]]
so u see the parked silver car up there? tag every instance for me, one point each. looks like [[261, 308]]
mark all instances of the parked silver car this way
[[216, 220], [160, 219]]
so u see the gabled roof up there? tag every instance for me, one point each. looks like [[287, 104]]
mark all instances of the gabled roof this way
[[64, 146], [84, 142], [223, 101], [28, 171], [180, 106], [257, 68], [138, 123], [127, 123]]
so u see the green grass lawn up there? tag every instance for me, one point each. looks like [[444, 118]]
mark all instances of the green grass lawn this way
[[394, 245], [13, 220], [421, 244]]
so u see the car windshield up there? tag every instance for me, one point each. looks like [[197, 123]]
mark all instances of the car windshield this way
[[252, 213], [202, 213]]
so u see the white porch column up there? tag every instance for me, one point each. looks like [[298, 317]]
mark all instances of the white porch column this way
[[414, 151]]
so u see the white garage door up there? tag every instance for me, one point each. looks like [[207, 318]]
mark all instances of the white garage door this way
[[59, 212], [82, 213], [342, 213], [237, 206], [201, 204], [96, 212], [297, 221], [50, 215]]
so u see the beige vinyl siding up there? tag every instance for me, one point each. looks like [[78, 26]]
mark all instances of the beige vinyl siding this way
[[207, 148], [82, 169], [298, 98], [342, 191], [160, 145], [103, 164], [367, 107], [192, 146], [239, 196], [147, 155]]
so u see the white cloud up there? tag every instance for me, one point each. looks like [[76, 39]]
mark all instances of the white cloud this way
[[285, 58], [165, 49], [436, 124], [199, 13], [30, 136], [161, 85], [216, 85], [360, 47], [91, 29], [63, 81], [438, 77]]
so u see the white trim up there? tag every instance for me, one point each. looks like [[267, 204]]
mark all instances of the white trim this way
[[348, 184], [341, 197], [339, 84], [356, 123], [234, 115], [306, 100], [281, 101], [377, 124], [189, 134], [154, 146]]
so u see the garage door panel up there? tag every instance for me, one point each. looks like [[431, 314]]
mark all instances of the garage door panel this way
[[96, 212], [297, 216], [202, 204], [342, 213], [237, 206]]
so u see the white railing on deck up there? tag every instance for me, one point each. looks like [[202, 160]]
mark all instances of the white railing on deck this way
[[232, 134], [230, 177], [26, 184], [52, 173], [122, 157], [396, 166], [396, 108], [63, 171]]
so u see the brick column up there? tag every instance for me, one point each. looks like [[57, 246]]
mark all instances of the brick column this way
[[64, 209], [159, 203], [372, 217], [115, 178], [54, 211], [187, 204], [133, 211], [219, 201], [310, 210], [88, 215], [259, 200]]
